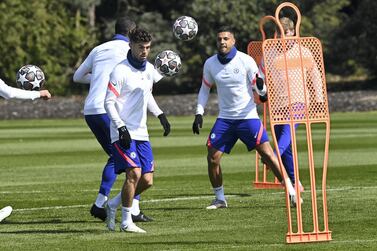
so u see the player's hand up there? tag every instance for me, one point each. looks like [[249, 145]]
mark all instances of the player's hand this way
[[259, 82], [261, 89], [198, 123], [264, 98], [165, 124], [124, 137], [45, 94]]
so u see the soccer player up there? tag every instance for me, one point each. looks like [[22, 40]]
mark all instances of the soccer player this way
[[283, 131], [235, 75], [95, 70], [9, 92], [129, 91]]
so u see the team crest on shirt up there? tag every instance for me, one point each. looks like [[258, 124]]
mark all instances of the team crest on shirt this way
[[236, 70], [213, 136], [133, 155], [149, 76]]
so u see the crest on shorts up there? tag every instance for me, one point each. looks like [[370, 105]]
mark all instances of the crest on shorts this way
[[133, 155]]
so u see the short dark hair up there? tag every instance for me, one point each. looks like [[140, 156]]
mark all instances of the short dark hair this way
[[226, 29], [123, 25], [138, 35]]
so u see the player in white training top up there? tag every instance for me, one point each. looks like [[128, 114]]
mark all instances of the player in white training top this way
[[129, 91], [95, 70], [235, 75], [9, 92]]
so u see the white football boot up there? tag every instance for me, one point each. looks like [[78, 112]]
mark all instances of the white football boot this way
[[217, 204], [5, 212], [293, 200], [131, 228]]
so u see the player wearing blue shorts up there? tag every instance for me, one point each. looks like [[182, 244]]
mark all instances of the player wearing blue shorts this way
[[95, 70], [9, 92], [235, 76], [129, 91], [297, 102]]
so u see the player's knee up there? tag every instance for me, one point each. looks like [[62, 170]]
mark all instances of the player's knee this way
[[133, 175], [266, 156], [149, 184], [147, 180], [213, 160], [213, 157]]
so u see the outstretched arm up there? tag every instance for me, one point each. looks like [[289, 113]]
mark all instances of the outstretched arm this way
[[9, 92]]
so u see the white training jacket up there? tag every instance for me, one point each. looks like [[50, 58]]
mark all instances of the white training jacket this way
[[128, 96], [235, 82], [96, 70], [9, 92]]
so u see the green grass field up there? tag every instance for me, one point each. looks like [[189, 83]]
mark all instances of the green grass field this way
[[50, 172]]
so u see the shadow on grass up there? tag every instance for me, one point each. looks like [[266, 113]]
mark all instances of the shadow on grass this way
[[192, 196], [52, 221], [56, 231], [190, 244]]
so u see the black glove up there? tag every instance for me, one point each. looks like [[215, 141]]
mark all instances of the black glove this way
[[260, 86], [263, 98], [124, 137], [165, 123], [260, 82], [198, 123]]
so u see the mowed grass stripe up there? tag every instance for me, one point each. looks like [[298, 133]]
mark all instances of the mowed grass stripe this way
[[256, 219]]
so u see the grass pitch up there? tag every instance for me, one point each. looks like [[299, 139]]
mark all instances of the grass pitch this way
[[50, 172]]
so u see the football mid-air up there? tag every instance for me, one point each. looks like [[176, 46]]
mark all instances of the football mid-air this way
[[168, 63], [30, 77], [185, 28]]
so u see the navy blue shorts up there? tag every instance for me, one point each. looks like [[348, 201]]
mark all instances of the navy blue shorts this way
[[226, 132], [139, 155], [100, 126]]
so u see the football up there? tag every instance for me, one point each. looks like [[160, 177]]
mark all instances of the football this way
[[168, 63], [30, 77], [185, 28]]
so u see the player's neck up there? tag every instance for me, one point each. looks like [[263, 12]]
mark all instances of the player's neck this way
[[121, 37], [139, 65], [226, 58]]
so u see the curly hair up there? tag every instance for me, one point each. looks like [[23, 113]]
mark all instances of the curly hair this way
[[138, 35]]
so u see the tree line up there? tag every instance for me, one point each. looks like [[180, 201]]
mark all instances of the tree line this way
[[58, 35]]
